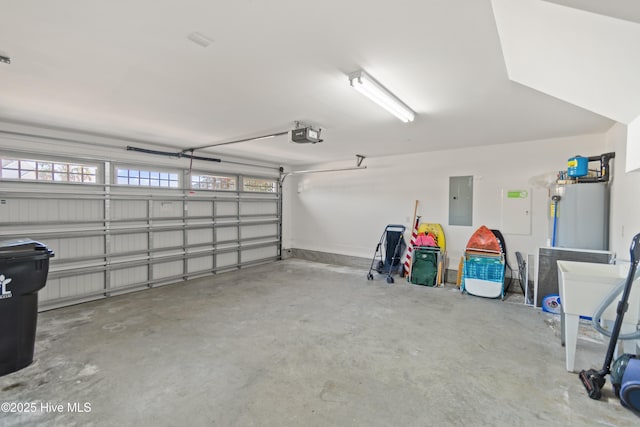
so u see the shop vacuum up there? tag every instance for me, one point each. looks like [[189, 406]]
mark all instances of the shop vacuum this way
[[625, 373]]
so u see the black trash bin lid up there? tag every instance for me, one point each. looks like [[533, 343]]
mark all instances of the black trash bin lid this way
[[11, 248]]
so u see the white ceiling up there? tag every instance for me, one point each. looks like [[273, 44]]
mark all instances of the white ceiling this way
[[127, 68], [585, 58]]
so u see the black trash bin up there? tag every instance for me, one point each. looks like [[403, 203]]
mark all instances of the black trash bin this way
[[24, 265]]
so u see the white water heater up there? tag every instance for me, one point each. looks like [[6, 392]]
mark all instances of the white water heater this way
[[580, 217]]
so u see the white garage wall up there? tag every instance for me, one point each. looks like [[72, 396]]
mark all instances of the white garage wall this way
[[625, 196], [346, 212]]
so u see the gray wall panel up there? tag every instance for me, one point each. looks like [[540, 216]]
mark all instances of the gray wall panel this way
[[129, 276], [226, 233], [259, 208], [166, 239], [226, 259], [226, 208], [262, 230], [128, 209], [166, 208], [195, 265], [200, 236], [199, 208], [167, 269], [71, 248], [249, 255], [129, 242]]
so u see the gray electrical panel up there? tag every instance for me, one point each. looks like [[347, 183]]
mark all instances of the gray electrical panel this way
[[461, 200]]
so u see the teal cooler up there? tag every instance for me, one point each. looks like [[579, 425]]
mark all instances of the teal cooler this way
[[24, 266], [577, 166]]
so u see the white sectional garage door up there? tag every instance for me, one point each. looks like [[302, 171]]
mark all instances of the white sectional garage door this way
[[110, 239]]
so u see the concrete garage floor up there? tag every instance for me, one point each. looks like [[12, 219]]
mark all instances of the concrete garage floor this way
[[298, 343]]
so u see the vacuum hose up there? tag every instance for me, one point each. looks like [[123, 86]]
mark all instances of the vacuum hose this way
[[611, 296], [594, 380]]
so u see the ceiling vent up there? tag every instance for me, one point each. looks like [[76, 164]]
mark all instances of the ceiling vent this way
[[200, 39]]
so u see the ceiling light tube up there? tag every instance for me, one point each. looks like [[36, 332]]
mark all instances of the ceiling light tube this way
[[368, 86]]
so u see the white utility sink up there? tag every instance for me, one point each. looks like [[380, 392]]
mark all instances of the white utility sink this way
[[583, 286]]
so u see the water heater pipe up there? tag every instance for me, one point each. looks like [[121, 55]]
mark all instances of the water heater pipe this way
[[555, 198], [604, 168]]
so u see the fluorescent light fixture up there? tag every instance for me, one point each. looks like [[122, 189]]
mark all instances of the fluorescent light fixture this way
[[368, 86]]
